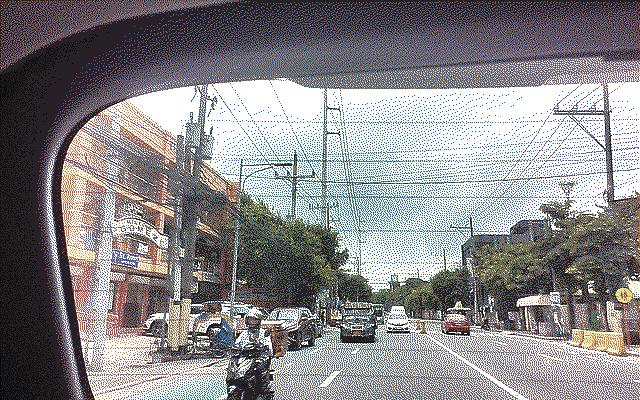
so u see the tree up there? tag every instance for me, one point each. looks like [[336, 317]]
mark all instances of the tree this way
[[510, 271], [420, 299], [450, 286], [353, 287], [293, 259]]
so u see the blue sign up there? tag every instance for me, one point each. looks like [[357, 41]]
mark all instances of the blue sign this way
[[123, 258]]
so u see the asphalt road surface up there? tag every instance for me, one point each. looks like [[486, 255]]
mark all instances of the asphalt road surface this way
[[485, 365]]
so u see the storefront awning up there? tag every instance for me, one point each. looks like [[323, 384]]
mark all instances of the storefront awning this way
[[539, 300]]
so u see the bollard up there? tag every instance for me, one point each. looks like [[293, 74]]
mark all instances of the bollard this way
[[589, 341], [616, 345], [602, 339], [577, 336]]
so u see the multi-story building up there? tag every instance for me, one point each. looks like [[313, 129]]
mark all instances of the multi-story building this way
[[118, 195], [522, 231]]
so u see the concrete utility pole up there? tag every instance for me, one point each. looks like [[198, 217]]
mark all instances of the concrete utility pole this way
[[100, 295], [173, 253], [473, 269], [192, 201], [605, 112]]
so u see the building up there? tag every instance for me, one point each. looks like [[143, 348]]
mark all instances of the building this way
[[522, 231], [118, 195], [527, 230]]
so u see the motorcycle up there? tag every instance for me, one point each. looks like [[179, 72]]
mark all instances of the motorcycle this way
[[249, 372], [220, 338]]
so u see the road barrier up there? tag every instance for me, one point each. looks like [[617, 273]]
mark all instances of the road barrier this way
[[577, 336], [602, 341], [589, 341], [615, 344]]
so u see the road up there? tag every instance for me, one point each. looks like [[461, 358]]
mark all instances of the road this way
[[485, 365]]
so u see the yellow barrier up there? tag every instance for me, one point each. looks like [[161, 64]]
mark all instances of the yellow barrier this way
[[602, 341], [616, 344], [577, 335], [589, 341]]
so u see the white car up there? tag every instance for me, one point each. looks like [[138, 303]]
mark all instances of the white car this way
[[156, 324], [397, 322]]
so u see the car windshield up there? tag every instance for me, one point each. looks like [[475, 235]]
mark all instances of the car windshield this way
[[294, 198], [286, 314]]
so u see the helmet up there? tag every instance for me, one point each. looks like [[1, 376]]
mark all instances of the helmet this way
[[253, 318]]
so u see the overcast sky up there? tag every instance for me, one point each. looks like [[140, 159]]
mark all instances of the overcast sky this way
[[420, 160]]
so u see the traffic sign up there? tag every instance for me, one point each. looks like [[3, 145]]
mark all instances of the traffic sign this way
[[554, 297], [624, 295]]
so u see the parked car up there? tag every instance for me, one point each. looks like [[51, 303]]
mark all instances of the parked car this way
[[156, 323], [214, 310], [397, 322], [298, 324], [358, 326], [455, 323], [318, 325]]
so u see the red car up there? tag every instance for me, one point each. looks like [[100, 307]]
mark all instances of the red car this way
[[456, 323]]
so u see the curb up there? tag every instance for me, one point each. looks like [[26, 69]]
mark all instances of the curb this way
[[515, 333]]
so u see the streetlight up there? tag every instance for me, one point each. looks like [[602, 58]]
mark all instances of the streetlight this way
[[237, 223]]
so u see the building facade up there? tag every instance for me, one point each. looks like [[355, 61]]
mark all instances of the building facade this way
[[118, 195]]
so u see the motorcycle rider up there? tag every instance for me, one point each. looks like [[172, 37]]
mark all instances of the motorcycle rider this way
[[255, 334]]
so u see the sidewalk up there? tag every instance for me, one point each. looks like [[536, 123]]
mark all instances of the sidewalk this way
[[127, 362], [633, 351]]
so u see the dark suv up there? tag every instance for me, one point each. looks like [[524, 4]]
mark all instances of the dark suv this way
[[358, 326], [298, 324]]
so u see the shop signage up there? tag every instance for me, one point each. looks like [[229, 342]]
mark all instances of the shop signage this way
[[554, 298], [123, 258], [137, 226]]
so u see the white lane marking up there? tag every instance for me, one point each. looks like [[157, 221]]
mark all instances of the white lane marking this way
[[355, 350], [502, 343], [637, 381], [330, 378], [550, 357], [224, 396], [480, 371]]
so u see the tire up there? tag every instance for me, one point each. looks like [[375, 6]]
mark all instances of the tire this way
[[297, 342], [312, 339], [372, 339], [158, 328]]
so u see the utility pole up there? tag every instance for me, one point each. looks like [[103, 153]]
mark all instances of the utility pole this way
[[294, 178], [325, 134], [444, 257], [173, 256], [472, 268], [100, 294], [605, 112]]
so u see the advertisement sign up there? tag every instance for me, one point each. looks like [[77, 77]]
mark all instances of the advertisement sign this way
[[554, 298], [136, 226], [123, 258]]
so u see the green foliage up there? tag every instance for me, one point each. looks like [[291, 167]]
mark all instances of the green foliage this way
[[451, 286], [353, 287], [293, 259]]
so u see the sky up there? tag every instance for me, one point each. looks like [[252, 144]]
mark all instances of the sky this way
[[409, 164]]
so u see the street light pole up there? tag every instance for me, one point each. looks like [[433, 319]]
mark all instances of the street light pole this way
[[236, 242]]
